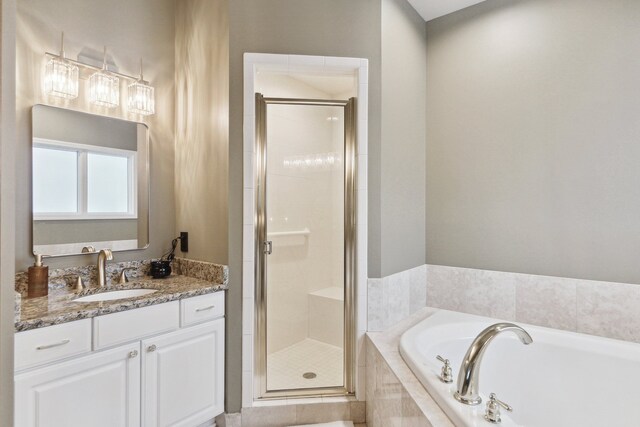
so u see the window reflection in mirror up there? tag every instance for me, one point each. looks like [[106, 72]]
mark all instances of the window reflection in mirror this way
[[90, 182]]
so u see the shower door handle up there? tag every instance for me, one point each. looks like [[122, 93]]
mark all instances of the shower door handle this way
[[268, 247]]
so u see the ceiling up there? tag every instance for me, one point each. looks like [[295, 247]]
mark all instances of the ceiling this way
[[432, 9]]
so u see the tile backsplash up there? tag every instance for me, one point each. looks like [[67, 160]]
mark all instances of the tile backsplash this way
[[593, 307]]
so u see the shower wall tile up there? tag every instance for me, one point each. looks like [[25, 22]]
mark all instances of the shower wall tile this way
[[346, 64], [247, 345], [306, 61], [249, 200], [362, 172], [249, 163], [363, 71], [247, 279], [247, 315], [363, 130], [363, 102], [247, 243], [248, 132], [247, 387]]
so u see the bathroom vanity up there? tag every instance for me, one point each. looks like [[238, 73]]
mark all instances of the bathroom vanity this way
[[151, 360]]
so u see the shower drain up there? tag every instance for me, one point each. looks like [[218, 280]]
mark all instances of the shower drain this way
[[309, 375]]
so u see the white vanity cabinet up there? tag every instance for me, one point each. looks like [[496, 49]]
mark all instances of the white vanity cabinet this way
[[146, 378], [98, 390], [183, 376]]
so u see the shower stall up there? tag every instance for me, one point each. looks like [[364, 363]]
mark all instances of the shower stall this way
[[305, 246]]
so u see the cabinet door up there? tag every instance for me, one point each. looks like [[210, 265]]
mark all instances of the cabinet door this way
[[98, 390], [183, 376]]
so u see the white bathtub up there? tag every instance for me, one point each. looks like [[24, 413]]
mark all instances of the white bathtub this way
[[562, 379]]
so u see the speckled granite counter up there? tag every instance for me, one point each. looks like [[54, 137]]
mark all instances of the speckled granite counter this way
[[59, 306]]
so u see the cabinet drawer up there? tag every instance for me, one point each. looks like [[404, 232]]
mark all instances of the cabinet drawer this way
[[205, 307], [51, 343], [131, 325]]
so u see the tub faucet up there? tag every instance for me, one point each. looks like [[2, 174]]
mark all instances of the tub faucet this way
[[104, 256], [468, 388]]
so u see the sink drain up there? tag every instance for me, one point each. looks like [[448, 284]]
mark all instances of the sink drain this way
[[309, 375]]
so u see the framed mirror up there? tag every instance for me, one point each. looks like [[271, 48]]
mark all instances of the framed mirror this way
[[90, 183]]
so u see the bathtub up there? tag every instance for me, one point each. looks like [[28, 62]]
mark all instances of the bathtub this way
[[561, 379]]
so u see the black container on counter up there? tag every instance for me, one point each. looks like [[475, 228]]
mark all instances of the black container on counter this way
[[160, 269]]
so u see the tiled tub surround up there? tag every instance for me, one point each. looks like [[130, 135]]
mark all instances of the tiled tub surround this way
[[59, 307], [395, 397], [393, 298], [605, 309]]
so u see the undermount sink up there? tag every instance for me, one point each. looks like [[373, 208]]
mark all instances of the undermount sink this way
[[113, 295]]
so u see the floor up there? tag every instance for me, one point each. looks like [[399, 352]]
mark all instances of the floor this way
[[285, 368]]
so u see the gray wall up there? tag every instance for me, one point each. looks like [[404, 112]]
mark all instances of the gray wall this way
[[7, 204], [70, 126], [310, 27], [87, 230], [130, 29], [402, 170], [533, 138], [202, 126]]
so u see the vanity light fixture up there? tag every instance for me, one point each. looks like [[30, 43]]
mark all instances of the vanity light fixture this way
[[141, 99], [104, 87], [61, 76]]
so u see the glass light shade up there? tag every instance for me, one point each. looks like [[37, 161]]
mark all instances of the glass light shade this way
[[141, 98], [104, 89], [61, 79]]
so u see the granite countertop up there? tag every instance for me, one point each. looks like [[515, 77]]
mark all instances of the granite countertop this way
[[59, 306]]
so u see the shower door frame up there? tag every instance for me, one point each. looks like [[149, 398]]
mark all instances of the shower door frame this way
[[350, 244]]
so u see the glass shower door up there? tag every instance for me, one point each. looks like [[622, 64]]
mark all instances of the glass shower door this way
[[303, 249]]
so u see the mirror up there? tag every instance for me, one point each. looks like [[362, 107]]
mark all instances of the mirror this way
[[90, 183]]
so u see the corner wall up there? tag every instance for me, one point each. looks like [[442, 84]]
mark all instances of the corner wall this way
[[202, 127], [532, 138], [403, 154]]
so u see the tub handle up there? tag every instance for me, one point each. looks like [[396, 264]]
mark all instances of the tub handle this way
[[446, 375], [492, 412]]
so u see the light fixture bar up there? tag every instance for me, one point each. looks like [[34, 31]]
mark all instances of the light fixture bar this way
[[91, 67]]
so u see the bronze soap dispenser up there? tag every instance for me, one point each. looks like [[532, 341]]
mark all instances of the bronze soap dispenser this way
[[38, 285]]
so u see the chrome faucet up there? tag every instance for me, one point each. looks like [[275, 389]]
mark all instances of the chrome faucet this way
[[468, 387], [104, 256]]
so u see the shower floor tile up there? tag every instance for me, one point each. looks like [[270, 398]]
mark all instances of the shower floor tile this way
[[285, 368]]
